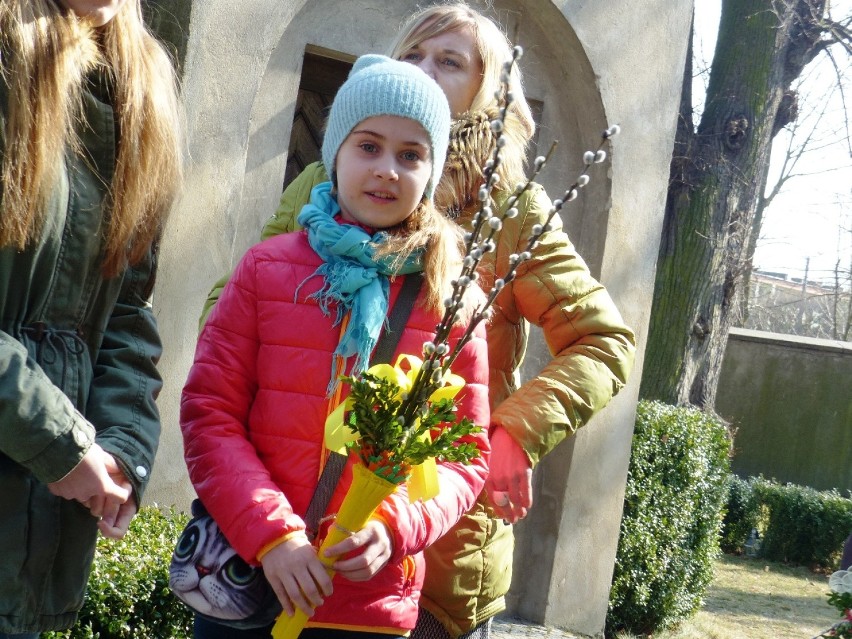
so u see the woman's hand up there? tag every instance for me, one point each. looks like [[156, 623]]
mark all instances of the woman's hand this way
[[110, 498], [366, 552], [115, 521], [297, 576], [509, 482], [96, 482]]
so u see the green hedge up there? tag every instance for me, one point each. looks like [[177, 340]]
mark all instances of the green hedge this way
[[128, 595], [797, 524], [676, 489], [741, 516]]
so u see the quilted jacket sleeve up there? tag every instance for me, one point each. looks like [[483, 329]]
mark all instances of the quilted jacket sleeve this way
[[416, 526], [229, 478], [212, 297], [592, 347], [295, 196]]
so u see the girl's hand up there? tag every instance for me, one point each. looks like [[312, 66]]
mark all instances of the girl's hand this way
[[113, 515], [367, 552], [114, 525], [297, 575]]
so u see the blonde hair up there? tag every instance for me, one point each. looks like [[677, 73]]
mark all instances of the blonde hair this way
[[441, 239], [471, 145], [47, 52], [494, 50]]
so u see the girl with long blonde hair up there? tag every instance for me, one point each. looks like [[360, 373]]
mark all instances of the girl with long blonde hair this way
[[51, 54], [90, 160]]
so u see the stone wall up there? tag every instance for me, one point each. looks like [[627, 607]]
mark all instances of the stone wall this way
[[790, 401]]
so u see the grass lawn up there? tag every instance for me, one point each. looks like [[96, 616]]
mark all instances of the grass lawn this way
[[756, 599]]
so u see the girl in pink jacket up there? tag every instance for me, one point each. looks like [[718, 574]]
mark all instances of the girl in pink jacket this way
[[300, 310]]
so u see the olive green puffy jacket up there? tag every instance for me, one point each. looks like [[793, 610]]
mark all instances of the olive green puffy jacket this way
[[469, 569], [77, 365]]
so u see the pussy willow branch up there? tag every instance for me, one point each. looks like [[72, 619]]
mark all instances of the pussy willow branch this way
[[438, 357], [429, 376]]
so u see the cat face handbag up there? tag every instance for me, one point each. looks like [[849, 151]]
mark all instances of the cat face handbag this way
[[208, 575]]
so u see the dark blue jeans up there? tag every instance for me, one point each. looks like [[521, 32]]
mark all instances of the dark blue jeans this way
[[204, 629], [29, 635]]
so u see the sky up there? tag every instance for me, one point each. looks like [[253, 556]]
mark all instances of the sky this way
[[809, 224]]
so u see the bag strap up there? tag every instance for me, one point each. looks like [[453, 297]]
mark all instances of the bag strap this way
[[397, 319], [382, 354]]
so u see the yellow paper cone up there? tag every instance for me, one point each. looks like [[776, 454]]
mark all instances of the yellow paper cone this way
[[289, 627], [366, 492]]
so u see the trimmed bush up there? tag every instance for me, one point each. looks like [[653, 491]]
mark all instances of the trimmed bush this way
[[676, 488], [741, 516], [128, 595], [798, 525]]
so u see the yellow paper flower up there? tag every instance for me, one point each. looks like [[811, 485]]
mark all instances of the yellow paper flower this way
[[401, 378]]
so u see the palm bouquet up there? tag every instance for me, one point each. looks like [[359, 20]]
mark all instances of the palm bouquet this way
[[399, 419], [840, 597]]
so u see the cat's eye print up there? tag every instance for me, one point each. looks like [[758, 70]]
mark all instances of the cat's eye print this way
[[208, 574], [238, 572], [187, 543]]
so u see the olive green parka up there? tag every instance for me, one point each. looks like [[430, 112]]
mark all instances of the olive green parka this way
[[469, 570], [77, 365]]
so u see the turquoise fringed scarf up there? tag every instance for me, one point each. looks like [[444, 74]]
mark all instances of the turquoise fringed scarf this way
[[354, 280]]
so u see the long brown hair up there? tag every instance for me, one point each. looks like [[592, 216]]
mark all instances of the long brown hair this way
[[46, 53], [471, 144]]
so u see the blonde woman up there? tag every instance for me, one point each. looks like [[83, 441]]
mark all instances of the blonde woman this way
[[468, 571], [89, 162]]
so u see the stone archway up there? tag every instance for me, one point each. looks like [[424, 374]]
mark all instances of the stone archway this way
[[557, 73], [241, 74]]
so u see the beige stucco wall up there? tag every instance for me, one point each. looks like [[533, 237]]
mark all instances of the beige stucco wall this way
[[591, 63], [636, 51]]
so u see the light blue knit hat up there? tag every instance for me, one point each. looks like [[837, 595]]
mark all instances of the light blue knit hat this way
[[378, 85]]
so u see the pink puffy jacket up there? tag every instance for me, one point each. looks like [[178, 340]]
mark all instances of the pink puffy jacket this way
[[252, 416]]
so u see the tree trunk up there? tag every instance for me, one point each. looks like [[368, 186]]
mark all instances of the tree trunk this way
[[717, 177]]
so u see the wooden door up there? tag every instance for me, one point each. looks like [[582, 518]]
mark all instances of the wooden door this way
[[323, 72]]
